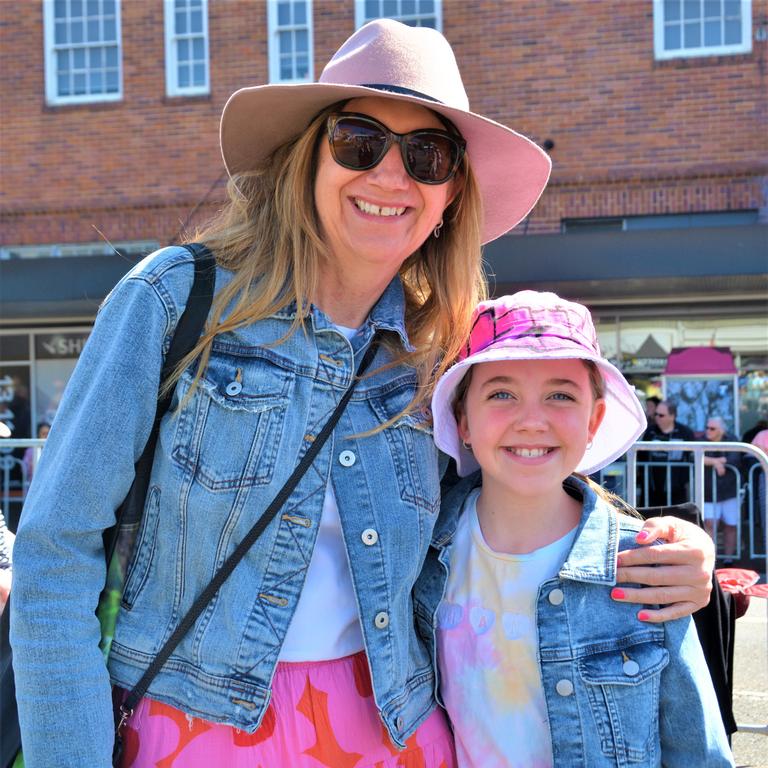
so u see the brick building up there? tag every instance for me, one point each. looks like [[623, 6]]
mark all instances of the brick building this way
[[655, 115]]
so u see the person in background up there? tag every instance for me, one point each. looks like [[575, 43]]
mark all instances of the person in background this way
[[666, 485], [6, 544], [651, 403], [751, 433], [539, 666], [721, 495], [761, 441], [43, 428], [6, 561]]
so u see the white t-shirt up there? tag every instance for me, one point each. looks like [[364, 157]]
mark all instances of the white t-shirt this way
[[326, 624], [487, 642]]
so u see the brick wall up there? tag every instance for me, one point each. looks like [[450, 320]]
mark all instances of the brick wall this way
[[632, 135]]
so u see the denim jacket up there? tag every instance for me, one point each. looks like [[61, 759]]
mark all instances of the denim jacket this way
[[218, 464], [662, 710]]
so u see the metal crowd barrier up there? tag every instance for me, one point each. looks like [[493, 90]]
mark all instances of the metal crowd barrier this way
[[750, 490], [699, 448], [12, 493]]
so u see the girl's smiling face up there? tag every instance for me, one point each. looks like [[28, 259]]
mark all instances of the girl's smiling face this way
[[529, 422]]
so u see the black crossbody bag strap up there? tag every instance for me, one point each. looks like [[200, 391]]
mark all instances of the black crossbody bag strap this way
[[205, 597], [187, 333]]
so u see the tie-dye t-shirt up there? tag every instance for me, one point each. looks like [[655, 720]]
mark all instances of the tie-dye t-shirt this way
[[487, 642]]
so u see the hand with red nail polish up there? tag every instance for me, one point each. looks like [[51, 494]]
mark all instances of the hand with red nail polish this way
[[674, 561]]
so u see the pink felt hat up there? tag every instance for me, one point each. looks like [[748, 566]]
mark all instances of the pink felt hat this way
[[388, 59], [530, 325]]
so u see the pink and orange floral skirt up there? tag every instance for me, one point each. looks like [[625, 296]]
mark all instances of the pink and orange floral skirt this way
[[322, 715]]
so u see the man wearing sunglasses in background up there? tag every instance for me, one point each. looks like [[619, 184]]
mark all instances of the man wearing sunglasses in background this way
[[666, 486]]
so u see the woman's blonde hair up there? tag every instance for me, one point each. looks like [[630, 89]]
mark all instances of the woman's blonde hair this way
[[268, 235]]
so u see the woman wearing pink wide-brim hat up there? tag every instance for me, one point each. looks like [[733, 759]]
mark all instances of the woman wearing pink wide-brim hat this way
[[357, 209]]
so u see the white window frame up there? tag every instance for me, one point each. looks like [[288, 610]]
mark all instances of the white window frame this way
[[273, 30], [661, 54], [172, 87], [52, 96], [360, 18]]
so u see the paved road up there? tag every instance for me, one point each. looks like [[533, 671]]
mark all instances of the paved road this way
[[750, 685]]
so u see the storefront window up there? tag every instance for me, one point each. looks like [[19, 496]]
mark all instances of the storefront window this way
[[34, 369], [55, 358]]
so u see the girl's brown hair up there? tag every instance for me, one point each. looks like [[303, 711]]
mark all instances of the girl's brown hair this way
[[268, 235]]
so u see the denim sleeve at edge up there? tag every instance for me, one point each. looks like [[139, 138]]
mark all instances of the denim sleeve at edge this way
[[100, 429], [692, 731]]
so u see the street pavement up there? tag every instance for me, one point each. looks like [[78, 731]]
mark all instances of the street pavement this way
[[750, 685]]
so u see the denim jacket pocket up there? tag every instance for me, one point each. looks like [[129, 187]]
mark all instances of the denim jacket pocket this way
[[228, 434], [623, 690], [412, 448], [144, 550]]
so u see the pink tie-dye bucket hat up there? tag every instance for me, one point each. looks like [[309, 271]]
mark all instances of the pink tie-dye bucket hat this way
[[530, 325]]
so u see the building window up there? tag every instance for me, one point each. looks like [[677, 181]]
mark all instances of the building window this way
[[290, 41], [416, 13], [685, 28], [186, 47], [82, 51]]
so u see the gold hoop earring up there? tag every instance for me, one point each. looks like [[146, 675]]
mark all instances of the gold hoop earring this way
[[436, 230]]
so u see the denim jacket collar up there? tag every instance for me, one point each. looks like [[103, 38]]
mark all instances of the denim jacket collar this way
[[388, 314], [593, 555]]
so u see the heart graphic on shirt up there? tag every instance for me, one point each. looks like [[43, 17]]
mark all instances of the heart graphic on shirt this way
[[449, 615], [481, 619]]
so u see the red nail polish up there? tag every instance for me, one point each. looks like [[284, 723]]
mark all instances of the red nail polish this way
[[617, 594], [643, 616], [642, 535]]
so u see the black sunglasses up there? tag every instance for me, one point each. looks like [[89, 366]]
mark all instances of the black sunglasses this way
[[358, 142]]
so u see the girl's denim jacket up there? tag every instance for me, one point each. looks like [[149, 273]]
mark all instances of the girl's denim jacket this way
[[603, 709], [220, 460]]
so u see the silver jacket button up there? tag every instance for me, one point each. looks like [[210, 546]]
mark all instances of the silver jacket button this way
[[556, 596], [381, 620], [369, 537], [347, 458], [234, 388], [631, 668], [564, 687]]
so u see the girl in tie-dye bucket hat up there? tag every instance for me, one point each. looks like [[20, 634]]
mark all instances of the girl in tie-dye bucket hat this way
[[539, 666]]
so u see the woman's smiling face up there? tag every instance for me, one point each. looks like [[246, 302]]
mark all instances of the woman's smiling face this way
[[381, 215], [529, 422]]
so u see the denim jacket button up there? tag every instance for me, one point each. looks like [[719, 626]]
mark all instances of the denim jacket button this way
[[370, 537], [556, 596], [564, 687], [234, 388], [347, 458], [631, 668], [381, 620]]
